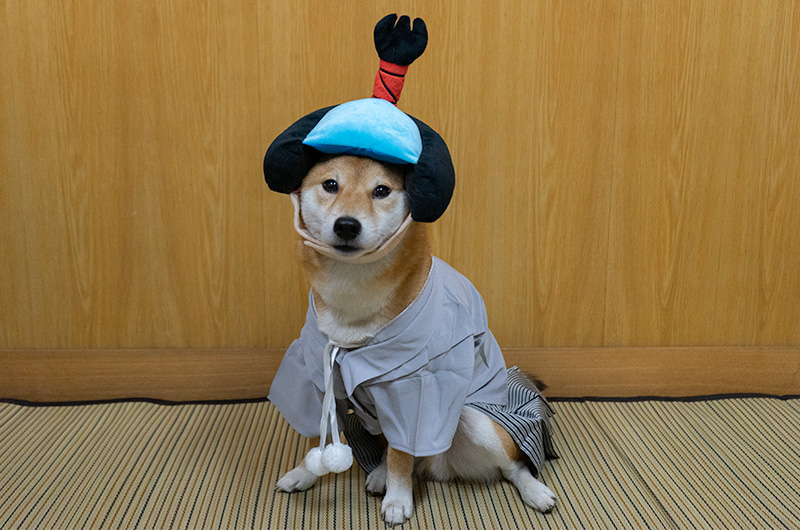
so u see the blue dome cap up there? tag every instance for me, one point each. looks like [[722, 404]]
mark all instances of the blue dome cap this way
[[370, 127]]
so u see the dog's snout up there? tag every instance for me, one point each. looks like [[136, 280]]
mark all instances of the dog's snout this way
[[347, 228]]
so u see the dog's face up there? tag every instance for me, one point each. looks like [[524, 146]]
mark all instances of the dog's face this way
[[353, 204]]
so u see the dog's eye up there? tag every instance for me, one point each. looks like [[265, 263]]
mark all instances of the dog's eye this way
[[381, 192], [331, 186]]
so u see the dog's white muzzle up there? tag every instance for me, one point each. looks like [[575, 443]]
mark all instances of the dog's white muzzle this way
[[363, 256]]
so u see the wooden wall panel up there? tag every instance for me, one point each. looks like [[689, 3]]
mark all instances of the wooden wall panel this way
[[131, 189], [704, 247], [532, 147], [627, 171]]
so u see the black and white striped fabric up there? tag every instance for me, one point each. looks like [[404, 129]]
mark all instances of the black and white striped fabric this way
[[526, 417]]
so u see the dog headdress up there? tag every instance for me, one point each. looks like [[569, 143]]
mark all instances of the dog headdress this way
[[377, 129], [373, 128]]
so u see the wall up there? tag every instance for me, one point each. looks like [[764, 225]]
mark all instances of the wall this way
[[627, 171]]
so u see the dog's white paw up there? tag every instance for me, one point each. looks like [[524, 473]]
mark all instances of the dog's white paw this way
[[539, 496], [298, 479], [397, 508], [376, 480], [533, 492]]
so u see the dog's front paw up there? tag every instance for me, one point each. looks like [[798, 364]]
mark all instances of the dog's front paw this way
[[396, 509], [298, 479], [539, 496], [376, 480]]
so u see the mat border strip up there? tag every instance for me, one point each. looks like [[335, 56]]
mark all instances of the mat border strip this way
[[554, 399]]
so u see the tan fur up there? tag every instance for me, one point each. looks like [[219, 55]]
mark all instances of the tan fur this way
[[399, 277], [399, 463], [509, 446], [407, 275]]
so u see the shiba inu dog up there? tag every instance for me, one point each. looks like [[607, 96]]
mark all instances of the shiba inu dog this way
[[367, 263], [396, 343]]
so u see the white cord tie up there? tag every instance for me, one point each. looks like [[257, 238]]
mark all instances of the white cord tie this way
[[335, 457]]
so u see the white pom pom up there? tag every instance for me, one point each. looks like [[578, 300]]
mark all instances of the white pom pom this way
[[314, 462], [337, 457]]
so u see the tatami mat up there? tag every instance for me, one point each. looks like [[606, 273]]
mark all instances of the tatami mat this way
[[722, 463]]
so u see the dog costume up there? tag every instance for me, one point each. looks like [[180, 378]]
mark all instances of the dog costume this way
[[410, 380]]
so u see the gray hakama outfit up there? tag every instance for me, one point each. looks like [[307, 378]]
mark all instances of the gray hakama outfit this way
[[411, 380]]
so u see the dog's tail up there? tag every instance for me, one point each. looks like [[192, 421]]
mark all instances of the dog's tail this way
[[538, 383]]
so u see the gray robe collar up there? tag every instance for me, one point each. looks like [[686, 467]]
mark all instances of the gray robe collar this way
[[401, 347]]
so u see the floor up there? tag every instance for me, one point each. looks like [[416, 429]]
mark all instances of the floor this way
[[722, 462]]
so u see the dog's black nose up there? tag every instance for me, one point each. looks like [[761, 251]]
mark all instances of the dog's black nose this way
[[347, 228]]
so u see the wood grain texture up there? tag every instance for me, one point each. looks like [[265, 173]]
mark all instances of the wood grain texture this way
[[131, 189], [704, 246], [532, 147], [170, 374], [216, 374], [669, 372], [628, 172]]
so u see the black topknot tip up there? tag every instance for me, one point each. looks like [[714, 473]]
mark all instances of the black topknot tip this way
[[397, 43]]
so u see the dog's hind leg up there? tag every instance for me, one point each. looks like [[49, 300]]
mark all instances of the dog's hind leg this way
[[533, 492], [483, 450]]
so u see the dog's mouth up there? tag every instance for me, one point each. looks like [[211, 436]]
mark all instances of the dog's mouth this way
[[346, 248]]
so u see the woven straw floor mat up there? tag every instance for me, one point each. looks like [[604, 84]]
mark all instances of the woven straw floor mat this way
[[721, 463]]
